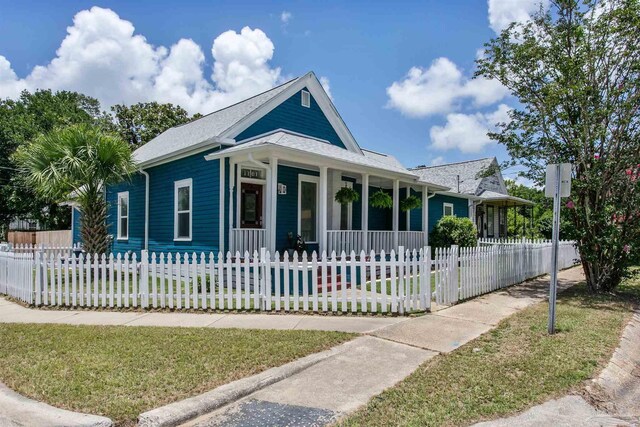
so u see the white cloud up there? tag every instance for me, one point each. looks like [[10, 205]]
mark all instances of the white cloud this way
[[436, 161], [324, 81], [102, 57], [285, 17], [439, 89], [468, 132], [504, 12]]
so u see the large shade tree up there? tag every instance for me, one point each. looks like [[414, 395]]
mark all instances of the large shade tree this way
[[75, 163], [140, 123], [575, 70]]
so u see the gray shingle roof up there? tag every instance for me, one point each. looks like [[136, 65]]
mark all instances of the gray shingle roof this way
[[319, 147], [203, 129], [446, 175]]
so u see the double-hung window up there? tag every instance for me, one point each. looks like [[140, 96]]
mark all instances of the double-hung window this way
[[183, 212], [447, 209], [123, 215]]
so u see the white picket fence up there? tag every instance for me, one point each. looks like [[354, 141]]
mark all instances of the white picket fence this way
[[402, 282]]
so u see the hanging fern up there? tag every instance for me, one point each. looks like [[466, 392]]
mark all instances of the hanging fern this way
[[381, 200], [347, 195], [411, 202]]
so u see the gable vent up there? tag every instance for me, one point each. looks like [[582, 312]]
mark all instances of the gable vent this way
[[306, 99]]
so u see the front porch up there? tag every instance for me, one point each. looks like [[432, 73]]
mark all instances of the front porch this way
[[270, 193]]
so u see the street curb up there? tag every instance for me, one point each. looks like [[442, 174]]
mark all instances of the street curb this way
[[179, 412], [17, 410]]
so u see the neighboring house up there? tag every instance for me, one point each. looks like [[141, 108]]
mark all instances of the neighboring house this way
[[24, 225], [246, 176], [483, 179]]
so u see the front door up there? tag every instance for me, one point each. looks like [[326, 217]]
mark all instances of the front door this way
[[250, 205]]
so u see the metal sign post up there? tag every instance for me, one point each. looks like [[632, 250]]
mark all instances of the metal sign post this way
[[557, 185]]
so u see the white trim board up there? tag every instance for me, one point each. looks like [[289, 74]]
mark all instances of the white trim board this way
[[316, 180], [177, 185], [123, 195]]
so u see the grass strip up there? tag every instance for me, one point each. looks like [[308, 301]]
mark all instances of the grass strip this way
[[513, 367]]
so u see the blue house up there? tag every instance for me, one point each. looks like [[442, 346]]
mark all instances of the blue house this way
[[247, 176]]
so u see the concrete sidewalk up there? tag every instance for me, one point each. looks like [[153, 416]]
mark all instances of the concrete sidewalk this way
[[11, 312], [340, 384]]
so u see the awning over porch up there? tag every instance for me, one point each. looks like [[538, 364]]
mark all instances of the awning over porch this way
[[500, 199]]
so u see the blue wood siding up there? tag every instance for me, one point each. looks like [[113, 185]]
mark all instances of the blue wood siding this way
[[287, 207], [136, 189], [436, 203], [75, 225], [291, 115], [205, 177], [416, 214], [380, 219]]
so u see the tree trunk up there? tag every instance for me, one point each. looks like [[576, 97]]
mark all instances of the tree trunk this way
[[93, 226]]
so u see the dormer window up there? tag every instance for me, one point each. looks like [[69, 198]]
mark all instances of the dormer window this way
[[306, 99]]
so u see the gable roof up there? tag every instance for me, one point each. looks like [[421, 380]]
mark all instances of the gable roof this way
[[204, 129], [470, 173], [222, 126]]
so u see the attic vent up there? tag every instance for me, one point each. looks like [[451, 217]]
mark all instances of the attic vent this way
[[306, 99]]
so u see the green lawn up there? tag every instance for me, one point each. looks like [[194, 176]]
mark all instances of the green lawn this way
[[511, 368], [120, 372]]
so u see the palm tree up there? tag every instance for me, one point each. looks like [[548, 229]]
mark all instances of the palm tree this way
[[75, 164]]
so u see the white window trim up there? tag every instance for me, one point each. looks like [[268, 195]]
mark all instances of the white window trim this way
[[444, 209], [123, 195], [181, 184], [240, 180], [315, 179], [302, 98]]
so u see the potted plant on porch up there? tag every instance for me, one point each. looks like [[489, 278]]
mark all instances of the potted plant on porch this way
[[346, 195], [411, 202], [381, 200]]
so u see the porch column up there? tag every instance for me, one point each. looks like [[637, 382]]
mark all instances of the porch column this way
[[271, 229], [425, 214], [408, 214], [221, 210], [322, 232], [365, 212], [232, 184], [396, 212]]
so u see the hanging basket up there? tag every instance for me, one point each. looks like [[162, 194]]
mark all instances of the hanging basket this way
[[347, 195], [411, 202], [381, 200]]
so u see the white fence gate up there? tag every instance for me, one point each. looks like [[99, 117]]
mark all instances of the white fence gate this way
[[400, 282]]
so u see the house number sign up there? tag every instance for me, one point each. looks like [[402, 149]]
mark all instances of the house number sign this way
[[252, 173]]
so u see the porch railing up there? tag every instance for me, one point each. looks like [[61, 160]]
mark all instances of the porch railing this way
[[379, 241], [411, 239], [344, 240], [352, 240], [247, 239]]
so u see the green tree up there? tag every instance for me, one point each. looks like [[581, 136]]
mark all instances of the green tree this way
[[575, 71], [21, 120], [75, 163], [140, 123]]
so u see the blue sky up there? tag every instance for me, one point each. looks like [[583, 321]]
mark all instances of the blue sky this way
[[360, 48]]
